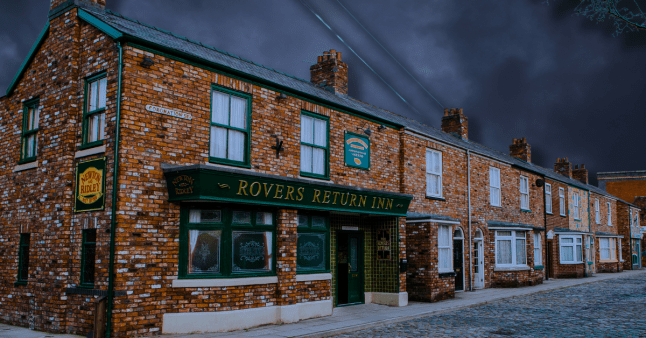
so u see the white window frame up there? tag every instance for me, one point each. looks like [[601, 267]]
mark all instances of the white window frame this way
[[548, 198], [431, 173], [610, 247], [513, 238], [630, 216], [574, 246], [575, 205], [621, 259], [538, 252], [443, 249], [597, 214], [609, 220], [524, 195], [494, 186], [562, 201]]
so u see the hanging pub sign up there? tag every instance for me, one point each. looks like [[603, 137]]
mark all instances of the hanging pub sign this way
[[90, 185], [357, 151]]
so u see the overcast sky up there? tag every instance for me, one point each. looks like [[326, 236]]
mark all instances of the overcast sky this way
[[518, 68]]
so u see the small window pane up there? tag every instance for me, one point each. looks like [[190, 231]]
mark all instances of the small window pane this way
[[318, 161], [103, 85], [567, 240], [204, 251], [93, 96], [242, 217], [264, 218], [194, 216], [311, 252], [579, 253], [318, 222], [211, 216], [238, 112], [445, 258], [520, 234], [306, 158], [521, 256], [220, 112], [218, 142], [302, 221], [503, 233], [252, 251], [320, 132], [236, 145], [567, 253], [307, 129]]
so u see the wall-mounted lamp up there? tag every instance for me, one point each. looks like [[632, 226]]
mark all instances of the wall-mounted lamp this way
[[282, 96], [146, 62], [366, 131], [381, 127]]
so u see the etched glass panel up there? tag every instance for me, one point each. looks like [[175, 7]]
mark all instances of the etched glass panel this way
[[252, 251], [264, 218], [204, 251], [302, 220], [318, 222], [354, 255], [242, 217], [211, 216], [311, 253]]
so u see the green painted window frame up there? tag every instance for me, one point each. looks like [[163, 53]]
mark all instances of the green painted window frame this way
[[227, 227], [23, 253], [26, 133], [246, 162], [309, 229], [85, 262], [87, 114], [325, 176]]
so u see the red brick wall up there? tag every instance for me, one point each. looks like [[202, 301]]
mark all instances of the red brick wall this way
[[626, 190]]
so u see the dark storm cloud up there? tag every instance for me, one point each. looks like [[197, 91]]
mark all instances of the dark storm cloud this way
[[518, 68]]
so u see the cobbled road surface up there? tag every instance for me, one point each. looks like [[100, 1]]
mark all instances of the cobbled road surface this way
[[612, 308]]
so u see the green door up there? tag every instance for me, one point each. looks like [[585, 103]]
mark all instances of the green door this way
[[350, 268]]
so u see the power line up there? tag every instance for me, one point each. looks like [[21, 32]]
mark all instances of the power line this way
[[384, 48], [357, 55]]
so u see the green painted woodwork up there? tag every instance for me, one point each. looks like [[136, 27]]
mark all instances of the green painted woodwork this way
[[26, 132], [246, 162], [313, 243], [326, 148], [202, 183], [88, 114], [23, 259], [227, 257], [100, 25], [357, 150], [350, 268], [88, 258], [89, 193]]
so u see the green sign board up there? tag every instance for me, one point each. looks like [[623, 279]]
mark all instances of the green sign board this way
[[357, 151], [202, 182], [90, 185]]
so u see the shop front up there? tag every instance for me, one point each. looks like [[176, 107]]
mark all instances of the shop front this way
[[284, 249]]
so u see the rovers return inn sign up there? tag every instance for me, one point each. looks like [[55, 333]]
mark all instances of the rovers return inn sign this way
[[202, 182], [90, 185]]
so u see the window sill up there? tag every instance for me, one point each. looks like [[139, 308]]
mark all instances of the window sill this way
[[229, 163], [313, 277], [525, 210], [495, 206], [563, 215], [447, 274], [19, 283], [608, 261], [436, 198], [539, 267], [26, 166], [90, 151], [549, 213], [512, 268], [318, 177], [90, 145], [570, 263], [220, 282]]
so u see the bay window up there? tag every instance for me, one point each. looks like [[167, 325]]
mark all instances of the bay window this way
[[314, 145], [230, 125], [219, 242], [511, 248], [445, 249], [571, 249]]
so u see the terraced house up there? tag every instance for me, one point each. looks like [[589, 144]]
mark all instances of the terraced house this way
[[152, 184]]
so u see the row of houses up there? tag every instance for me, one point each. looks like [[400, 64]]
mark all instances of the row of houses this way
[[152, 184]]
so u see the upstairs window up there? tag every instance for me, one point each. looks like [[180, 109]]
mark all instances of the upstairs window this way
[[29, 140], [23, 259], [445, 249], [494, 186], [609, 216], [230, 125], [571, 249], [524, 193], [548, 198], [511, 249], [597, 214], [433, 173], [94, 110], [562, 201], [575, 205], [314, 145]]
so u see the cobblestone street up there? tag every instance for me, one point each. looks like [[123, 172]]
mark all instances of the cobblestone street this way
[[611, 308]]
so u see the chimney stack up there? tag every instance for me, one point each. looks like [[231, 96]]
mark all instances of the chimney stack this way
[[563, 167], [580, 173], [521, 149], [454, 122], [330, 73], [96, 3]]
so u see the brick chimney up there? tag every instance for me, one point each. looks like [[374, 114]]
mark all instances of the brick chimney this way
[[56, 3], [580, 173], [330, 72], [454, 122], [563, 167], [521, 149]]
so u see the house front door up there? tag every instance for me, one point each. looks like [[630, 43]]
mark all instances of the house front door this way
[[478, 265], [457, 264]]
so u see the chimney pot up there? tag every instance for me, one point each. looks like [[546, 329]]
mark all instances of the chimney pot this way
[[580, 173], [521, 149], [563, 167], [454, 122], [330, 72]]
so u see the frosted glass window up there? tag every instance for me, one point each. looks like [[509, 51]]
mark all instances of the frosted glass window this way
[[229, 126], [433, 173], [314, 145], [252, 251]]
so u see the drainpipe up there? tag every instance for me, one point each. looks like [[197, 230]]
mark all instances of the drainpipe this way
[[545, 269], [469, 199], [590, 230], [113, 216]]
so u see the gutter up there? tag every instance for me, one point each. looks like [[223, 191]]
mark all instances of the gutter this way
[[469, 218], [113, 215], [590, 230]]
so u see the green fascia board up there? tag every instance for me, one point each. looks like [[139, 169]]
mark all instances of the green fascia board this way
[[30, 57], [100, 25]]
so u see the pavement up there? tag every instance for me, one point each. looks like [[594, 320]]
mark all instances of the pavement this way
[[367, 316]]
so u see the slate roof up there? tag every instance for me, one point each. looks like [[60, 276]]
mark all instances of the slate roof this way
[[145, 34]]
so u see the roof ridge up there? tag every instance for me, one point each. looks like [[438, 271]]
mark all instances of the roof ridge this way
[[202, 45]]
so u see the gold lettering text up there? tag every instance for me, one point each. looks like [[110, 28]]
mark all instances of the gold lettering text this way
[[353, 200], [300, 192], [242, 187], [279, 191], [346, 198], [362, 200], [373, 202], [326, 197], [267, 191], [290, 191], [317, 193], [389, 203], [256, 184], [336, 194], [380, 203]]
